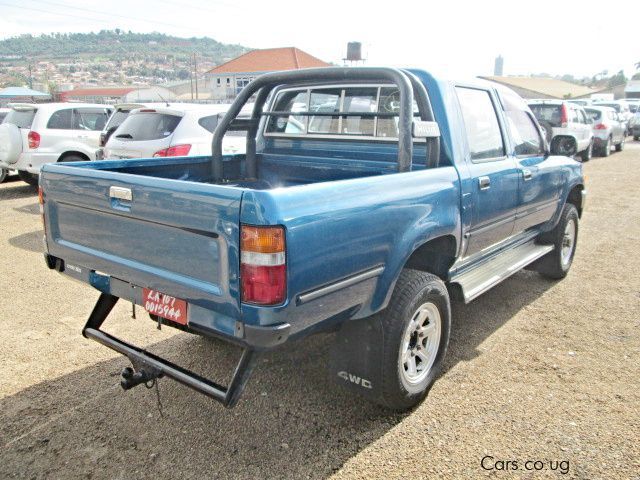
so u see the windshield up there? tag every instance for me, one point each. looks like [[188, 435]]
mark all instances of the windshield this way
[[20, 118], [147, 126]]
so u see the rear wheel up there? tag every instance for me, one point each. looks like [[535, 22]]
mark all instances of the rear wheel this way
[[3, 174], [605, 151], [588, 153], [620, 146], [30, 178], [417, 324]]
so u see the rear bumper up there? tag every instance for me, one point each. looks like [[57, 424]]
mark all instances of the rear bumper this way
[[32, 162], [200, 321]]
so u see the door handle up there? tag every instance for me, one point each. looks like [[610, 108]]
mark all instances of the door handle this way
[[484, 182], [526, 174]]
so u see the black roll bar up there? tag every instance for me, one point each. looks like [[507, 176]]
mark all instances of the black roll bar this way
[[406, 82]]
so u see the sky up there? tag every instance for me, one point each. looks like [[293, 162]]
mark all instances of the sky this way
[[454, 38]]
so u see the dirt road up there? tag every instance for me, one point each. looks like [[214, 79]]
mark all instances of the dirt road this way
[[537, 371]]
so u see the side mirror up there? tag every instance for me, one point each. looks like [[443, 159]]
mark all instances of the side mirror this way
[[565, 146]]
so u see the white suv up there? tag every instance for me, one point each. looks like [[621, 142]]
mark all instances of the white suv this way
[[567, 127], [34, 134], [178, 129]]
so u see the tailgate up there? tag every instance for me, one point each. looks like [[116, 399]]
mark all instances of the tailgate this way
[[179, 238]]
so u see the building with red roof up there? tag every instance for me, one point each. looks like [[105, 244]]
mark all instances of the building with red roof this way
[[231, 77], [111, 95]]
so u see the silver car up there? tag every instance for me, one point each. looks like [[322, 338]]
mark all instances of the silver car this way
[[608, 130], [621, 107]]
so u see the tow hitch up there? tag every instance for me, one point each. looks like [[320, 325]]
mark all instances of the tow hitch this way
[[148, 367]]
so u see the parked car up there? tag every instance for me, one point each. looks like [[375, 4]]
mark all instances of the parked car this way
[[120, 112], [622, 108], [608, 130], [170, 131], [356, 225], [34, 134], [3, 171], [634, 125], [634, 105], [566, 126]]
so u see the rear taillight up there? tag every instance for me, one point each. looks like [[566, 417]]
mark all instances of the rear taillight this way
[[41, 203], [175, 151], [34, 139], [263, 269], [600, 126], [564, 116]]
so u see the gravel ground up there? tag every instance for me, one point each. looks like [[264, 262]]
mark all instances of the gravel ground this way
[[537, 371]]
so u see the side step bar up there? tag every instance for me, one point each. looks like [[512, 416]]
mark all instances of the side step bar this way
[[149, 366], [476, 281]]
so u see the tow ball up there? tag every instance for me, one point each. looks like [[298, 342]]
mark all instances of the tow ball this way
[[130, 378]]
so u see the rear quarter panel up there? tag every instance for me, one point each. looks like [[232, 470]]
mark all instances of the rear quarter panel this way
[[337, 229]]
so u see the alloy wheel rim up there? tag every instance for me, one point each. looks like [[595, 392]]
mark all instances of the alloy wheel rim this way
[[420, 343], [568, 241]]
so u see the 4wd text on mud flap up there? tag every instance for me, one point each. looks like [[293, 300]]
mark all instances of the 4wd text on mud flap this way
[[350, 377]]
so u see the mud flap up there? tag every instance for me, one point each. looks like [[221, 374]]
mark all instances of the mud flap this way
[[356, 357]]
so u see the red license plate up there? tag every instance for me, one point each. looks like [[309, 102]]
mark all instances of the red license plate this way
[[164, 306]]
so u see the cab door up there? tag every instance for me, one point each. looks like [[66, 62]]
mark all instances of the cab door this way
[[494, 175], [540, 180]]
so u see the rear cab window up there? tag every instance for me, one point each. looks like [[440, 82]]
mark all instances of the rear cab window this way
[[145, 126], [349, 111], [21, 118]]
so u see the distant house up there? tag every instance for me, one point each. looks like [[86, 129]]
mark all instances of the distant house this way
[[111, 95], [542, 87], [231, 77]]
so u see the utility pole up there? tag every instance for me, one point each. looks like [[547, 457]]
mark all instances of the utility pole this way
[[195, 69], [30, 78]]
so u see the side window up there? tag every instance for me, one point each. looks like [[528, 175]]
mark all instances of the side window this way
[[91, 119], [481, 124], [524, 133], [573, 112], [61, 120], [209, 123]]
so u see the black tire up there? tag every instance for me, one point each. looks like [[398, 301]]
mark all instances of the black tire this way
[[414, 289], [30, 178], [636, 137], [605, 151], [4, 173], [72, 158], [620, 146], [588, 153], [554, 264]]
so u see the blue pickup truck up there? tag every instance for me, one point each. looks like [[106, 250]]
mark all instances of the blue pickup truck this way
[[366, 197]]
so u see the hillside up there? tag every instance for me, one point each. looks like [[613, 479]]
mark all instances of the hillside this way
[[109, 56]]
